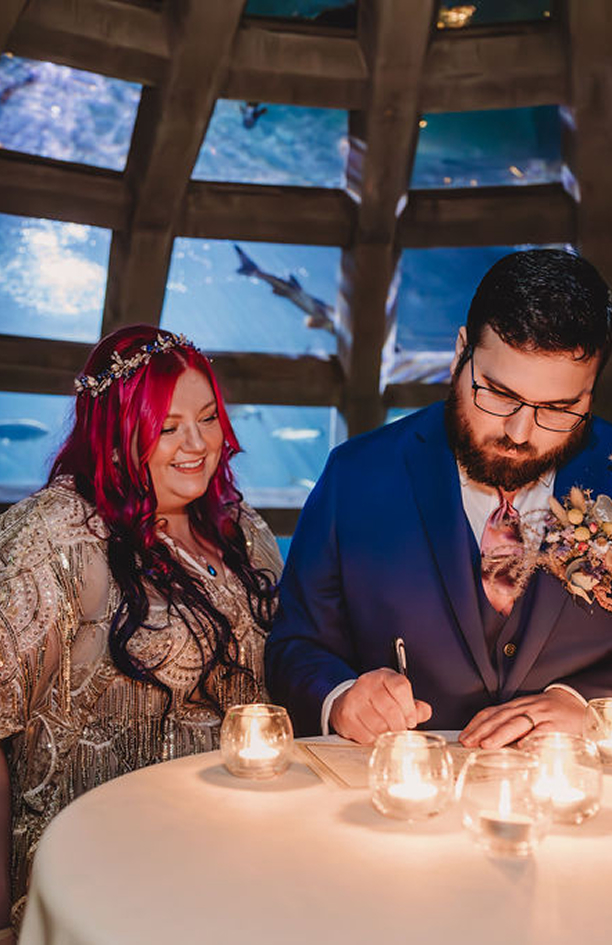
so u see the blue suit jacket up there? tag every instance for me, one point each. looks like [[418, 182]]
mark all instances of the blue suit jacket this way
[[382, 549]]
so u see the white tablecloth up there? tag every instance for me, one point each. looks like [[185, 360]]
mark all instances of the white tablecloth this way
[[185, 853]]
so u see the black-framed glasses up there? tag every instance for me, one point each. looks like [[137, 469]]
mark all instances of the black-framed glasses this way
[[498, 404]]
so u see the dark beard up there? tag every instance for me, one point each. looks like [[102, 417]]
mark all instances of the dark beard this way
[[503, 471]]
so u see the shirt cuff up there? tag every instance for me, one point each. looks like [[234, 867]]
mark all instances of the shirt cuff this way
[[572, 692], [329, 700]]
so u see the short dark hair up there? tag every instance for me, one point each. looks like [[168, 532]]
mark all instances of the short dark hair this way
[[547, 300]]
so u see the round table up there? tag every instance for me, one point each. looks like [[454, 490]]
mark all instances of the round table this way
[[185, 853]]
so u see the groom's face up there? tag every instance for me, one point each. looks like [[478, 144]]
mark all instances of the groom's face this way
[[513, 451]]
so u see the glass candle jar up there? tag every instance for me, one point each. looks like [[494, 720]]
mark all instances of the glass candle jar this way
[[598, 726], [256, 740], [570, 774], [411, 775], [500, 808]]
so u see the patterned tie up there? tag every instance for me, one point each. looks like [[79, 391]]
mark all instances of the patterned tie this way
[[501, 545]]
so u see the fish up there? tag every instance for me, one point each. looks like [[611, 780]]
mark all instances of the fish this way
[[10, 90], [296, 434], [13, 431], [251, 113], [318, 313]]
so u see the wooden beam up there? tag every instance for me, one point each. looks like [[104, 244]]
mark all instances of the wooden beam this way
[[48, 366], [413, 394], [504, 66], [57, 190], [488, 216], [394, 35], [106, 36], [296, 68], [313, 215], [515, 65], [497, 216], [168, 133], [280, 521], [10, 11], [589, 30]]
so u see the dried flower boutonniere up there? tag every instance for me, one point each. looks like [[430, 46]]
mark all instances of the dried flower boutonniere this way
[[577, 545]]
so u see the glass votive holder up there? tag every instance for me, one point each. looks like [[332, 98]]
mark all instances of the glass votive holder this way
[[569, 774], [256, 740], [500, 808], [411, 775], [598, 726]]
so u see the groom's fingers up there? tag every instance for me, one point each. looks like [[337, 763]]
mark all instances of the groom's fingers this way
[[378, 701]]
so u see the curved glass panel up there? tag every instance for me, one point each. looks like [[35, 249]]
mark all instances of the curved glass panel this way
[[32, 428], [58, 112], [436, 289], [285, 449], [248, 142], [253, 296], [487, 148], [52, 278]]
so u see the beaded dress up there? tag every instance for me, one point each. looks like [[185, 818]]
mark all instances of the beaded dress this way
[[74, 720]]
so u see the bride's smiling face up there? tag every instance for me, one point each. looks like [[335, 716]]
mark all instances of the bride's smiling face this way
[[188, 450]]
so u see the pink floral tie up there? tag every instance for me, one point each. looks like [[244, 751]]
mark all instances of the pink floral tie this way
[[500, 548]]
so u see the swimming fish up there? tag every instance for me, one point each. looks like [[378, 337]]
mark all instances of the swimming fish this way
[[251, 113], [319, 313], [12, 431]]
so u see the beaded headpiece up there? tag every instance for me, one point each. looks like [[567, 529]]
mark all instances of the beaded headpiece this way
[[121, 368]]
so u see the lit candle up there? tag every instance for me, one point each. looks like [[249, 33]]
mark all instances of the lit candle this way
[[605, 750], [557, 786], [505, 831], [415, 790], [256, 748]]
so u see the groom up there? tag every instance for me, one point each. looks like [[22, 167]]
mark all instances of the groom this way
[[390, 542]]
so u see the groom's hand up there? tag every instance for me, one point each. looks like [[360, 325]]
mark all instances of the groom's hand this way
[[379, 701], [556, 710]]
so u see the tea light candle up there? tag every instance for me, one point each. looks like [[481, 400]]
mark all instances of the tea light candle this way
[[256, 740], [257, 749], [605, 750], [412, 790], [569, 775], [505, 831], [410, 775]]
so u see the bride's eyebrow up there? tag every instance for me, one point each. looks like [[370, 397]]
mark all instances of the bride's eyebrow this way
[[177, 416], [503, 389]]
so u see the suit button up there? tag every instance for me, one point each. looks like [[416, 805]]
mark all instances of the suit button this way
[[510, 649]]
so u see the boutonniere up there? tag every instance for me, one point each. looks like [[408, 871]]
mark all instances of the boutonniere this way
[[577, 545]]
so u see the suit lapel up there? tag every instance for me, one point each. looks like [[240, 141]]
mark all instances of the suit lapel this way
[[437, 492], [590, 469]]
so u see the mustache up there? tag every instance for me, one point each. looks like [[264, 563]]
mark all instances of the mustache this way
[[505, 443]]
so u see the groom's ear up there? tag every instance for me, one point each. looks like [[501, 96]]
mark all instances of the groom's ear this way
[[460, 345]]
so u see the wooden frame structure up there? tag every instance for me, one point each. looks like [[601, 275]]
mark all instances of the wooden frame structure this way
[[387, 72]]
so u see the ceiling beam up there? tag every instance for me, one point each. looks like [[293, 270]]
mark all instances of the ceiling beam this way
[[49, 366], [394, 35], [170, 126], [104, 36], [505, 66], [57, 190]]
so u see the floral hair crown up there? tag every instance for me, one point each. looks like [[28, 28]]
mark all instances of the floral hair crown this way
[[121, 369]]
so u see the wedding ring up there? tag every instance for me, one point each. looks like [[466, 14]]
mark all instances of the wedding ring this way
[[525, 715]]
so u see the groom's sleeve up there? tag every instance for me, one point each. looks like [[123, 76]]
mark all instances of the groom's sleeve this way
[[309, 651]]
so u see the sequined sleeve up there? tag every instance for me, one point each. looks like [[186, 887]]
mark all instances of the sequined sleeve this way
[[263, 549], [41, 573]]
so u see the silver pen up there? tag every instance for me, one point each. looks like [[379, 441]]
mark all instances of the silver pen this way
[[401, 662]]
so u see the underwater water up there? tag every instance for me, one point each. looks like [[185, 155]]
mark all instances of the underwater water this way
[[245, 297]]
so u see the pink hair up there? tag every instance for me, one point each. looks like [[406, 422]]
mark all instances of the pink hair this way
[[115, 433]]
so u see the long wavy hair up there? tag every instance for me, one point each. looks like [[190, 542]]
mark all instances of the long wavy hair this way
[[107, 453]]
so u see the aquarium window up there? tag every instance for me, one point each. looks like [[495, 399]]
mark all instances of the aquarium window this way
[[435, 292], [52, 278], [256, 142], [488, 148], [265, 297], [57, 112], [32, 428], [284, 451]]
